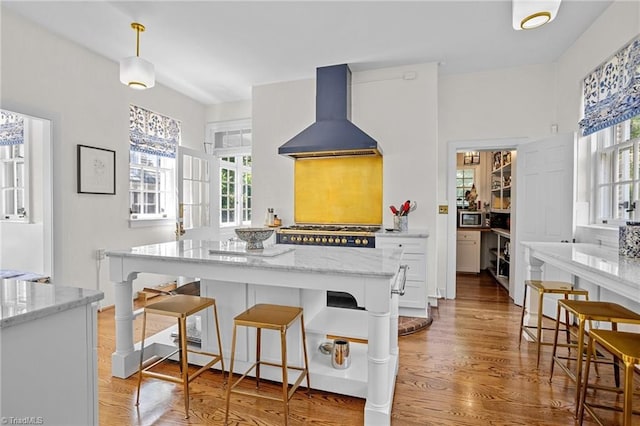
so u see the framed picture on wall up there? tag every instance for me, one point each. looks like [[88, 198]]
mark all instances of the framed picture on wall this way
[[96, 170]]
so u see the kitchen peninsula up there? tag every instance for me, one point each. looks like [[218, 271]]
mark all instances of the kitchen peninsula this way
[[287, 275]]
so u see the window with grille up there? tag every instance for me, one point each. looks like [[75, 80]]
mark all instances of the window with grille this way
[[464, 182], [616, 152], [231, 142], [14, 189], [154, 140]]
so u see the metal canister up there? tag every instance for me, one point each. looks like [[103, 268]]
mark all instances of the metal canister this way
[[340, 356]]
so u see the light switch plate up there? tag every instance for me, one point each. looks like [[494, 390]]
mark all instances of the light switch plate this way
[[443, 209]]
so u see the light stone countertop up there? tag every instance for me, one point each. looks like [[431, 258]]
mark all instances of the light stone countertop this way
[[23, 301], [317, 259], [597, 260], [411, 233]]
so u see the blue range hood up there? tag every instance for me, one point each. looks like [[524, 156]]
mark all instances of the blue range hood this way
[[333, 134]]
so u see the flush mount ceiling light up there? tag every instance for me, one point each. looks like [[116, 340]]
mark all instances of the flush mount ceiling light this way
[[136, 72], [529, 14]]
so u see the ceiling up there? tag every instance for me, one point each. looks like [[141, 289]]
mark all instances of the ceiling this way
[[215, 51]]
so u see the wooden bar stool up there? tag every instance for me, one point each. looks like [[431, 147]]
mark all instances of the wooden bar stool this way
[[272, 317], [180, 306], [625, 347], [545, 287], [588, 311]]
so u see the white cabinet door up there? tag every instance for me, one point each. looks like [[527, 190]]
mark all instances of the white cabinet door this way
[[468, 251]]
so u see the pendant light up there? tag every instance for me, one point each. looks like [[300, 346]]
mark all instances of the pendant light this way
[[136, 72], [530, 14]]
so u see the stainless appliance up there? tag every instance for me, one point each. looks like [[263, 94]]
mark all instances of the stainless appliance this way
[[332, 236], [471, 219], [329, 235]]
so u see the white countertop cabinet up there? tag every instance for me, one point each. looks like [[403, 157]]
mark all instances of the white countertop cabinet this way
[[468, 251], [414, 302], [48, 354], [299, 276]]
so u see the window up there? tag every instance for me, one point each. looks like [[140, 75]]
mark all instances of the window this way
[[154, 140], [464, 182], [235, 190], [617, 171], [14, 194], [232, 144]]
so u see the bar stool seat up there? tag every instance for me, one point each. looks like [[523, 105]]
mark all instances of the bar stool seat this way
[[626, 347], [588, 311], [272, 317], [180, 307], [542, 288]]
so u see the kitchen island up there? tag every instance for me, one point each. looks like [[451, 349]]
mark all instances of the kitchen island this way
[[48, 348], [280, 274]]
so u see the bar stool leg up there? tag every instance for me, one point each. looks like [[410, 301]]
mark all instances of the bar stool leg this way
[[579, 354], [258, 349], [583, 392], [304, 349], [285, 375], [539, 331], [144, 326], [184, 366], [524, 305], [555, 343], [230, 384], [616, 367], [628, 393], [215, 319]]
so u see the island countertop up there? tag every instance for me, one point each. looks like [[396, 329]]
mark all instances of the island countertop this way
[[282, 274], [596, 263], [375, 263], [24, 301]]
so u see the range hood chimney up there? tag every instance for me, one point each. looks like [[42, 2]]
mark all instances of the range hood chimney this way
[[333, 134]]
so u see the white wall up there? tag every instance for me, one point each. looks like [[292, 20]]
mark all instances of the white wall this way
[[46, 76], [401, 114], [228, 111], [612, 30]]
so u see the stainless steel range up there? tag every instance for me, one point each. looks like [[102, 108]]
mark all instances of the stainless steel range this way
[[328, 235]]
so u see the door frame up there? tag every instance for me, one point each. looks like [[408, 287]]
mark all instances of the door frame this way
[[453, 147]]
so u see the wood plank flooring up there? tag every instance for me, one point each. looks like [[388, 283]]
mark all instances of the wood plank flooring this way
[[465, 369]]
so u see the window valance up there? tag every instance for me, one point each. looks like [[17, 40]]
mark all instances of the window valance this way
[[11, 128], [153, 133], [611, 93]]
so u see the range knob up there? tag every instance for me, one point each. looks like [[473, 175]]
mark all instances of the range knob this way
[[324, 239], [317, 239], [365, 242], [357, 241], [330, 240], [299, 238], [344, 241], [305, 239]]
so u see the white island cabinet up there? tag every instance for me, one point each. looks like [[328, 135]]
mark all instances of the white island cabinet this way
[[413, 243], [48, 354], [287, 275]]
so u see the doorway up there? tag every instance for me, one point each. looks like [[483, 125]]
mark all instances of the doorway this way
[[485, 177], [26, 239]]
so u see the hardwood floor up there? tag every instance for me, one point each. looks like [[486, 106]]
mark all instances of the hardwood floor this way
[[465, 369]]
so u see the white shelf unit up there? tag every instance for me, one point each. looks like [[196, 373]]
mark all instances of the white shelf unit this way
[[501, 182], [500, 270]]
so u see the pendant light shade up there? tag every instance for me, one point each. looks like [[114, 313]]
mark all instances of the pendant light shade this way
[[136, 72], [530, 14]]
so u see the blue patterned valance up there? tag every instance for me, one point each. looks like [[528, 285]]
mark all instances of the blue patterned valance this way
[[153, 133], [11, 128], [612, 91]]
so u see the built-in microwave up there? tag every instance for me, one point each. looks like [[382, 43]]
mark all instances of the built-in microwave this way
[[470, 219]]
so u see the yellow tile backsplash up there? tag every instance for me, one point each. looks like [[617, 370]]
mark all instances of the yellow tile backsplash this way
[[338, 190]]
